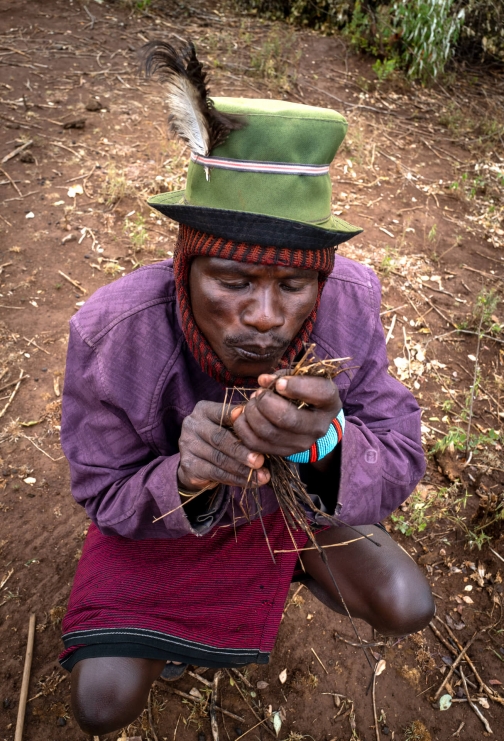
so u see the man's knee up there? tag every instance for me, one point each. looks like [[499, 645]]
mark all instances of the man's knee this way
[[108, 694], [405, 603], [103, 708]]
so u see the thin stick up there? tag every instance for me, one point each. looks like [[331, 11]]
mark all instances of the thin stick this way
[[323, 556], [389, 311], [454, 666], [331, 545], [271, 733], [251, 729], [149, 713], [391, 329], [26, 679], [11, 397], [18, 308], [375, 714], [319, 660], [16, 151], [473, 385], [75, 283], [32, 342], [199, 678], [407, 350], [457, 732], [11, 181], [213, 716], [186, 696], [483, 687], [356, 645], [496, 554], [190, 499], [473, 706], [243, 679], [55, 460], [176, 727], [12, 383], [438, 311]]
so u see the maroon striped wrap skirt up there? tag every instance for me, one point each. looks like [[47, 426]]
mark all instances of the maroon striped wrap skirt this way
[[215, 600]]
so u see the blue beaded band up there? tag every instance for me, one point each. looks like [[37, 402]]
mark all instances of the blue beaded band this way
[[324, 445]]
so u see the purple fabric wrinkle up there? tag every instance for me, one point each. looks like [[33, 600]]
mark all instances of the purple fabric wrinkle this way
[[131, 380]]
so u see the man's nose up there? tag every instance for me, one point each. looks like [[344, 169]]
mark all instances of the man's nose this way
[[264, 311]]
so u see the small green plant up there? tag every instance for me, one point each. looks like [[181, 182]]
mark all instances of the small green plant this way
[[478, 532], [385, 68], [137, 232], [433, 233], [389, 261], [423, 508]]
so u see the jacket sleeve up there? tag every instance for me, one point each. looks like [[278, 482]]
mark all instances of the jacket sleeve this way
[[382, 459], [115, 475]]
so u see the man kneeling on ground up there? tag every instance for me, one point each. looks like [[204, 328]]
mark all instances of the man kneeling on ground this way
[[253, 279]]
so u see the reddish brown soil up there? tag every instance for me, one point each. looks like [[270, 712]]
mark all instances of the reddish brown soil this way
[[55, 56]]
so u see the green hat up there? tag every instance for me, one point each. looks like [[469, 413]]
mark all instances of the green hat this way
[[268, 183]]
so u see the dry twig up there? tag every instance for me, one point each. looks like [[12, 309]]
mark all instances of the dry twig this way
[[213, 716], [473, 706], [26, 679], [11, 397]]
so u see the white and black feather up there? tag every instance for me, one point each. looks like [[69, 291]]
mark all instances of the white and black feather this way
[[193, 116]]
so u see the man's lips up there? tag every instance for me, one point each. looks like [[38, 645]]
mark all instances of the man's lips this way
[[253, 352]]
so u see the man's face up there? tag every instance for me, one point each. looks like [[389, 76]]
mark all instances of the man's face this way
[[250, 313]]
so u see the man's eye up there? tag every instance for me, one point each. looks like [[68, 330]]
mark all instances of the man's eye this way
[[234, 286], [292, 287]]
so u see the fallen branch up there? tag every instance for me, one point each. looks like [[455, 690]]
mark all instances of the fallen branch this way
[[213, 716], [26, 679]]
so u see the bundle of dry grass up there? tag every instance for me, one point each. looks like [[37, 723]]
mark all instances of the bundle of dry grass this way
[[290, 491], [292, 495]]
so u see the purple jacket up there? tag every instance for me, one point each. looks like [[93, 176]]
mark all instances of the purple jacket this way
[[131, 380]]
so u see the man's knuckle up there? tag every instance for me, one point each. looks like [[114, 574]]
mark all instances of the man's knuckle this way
[[217, 438], [218, 458]]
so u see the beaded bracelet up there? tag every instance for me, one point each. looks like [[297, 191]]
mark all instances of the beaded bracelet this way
[[324, 445]]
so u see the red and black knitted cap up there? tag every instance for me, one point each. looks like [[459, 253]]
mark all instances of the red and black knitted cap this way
[[193, 243]]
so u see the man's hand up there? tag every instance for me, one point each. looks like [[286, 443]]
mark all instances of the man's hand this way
[[211, 453], [272, 424]]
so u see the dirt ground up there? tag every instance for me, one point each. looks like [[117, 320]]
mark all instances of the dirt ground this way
[[83, 142]]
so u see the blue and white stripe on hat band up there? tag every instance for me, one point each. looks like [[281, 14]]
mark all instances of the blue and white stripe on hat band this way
[[275, 168]]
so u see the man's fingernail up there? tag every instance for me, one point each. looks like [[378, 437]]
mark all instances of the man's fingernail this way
[[252, 459], [263, 477], [281, 384]]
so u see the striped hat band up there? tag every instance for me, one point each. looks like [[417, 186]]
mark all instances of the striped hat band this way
[[276, 168]]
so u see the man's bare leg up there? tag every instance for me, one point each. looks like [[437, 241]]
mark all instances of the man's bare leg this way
[[383, 586], [109, 693]]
